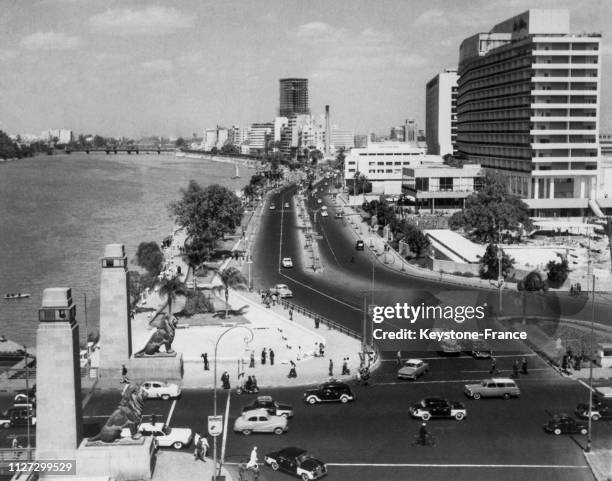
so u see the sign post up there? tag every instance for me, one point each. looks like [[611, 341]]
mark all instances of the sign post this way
[[215, 425]]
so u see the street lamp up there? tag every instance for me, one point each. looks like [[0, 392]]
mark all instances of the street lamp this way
[[215, 391], [591, 356], [249, 262], [500, 279]]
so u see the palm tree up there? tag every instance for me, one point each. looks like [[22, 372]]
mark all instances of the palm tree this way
[[533, 282], [171, 287], [231, 278], [197, 252]]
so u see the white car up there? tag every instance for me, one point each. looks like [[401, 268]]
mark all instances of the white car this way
[[319, 201], [272, 207], [286, 205], [166, 437], [287, 262], [164, 390], [324, 213], [282, 290]]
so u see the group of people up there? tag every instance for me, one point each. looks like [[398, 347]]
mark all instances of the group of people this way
[[571, 360], [268, 298], [516, 367], [575, 289], [250, 384], [201, 446]]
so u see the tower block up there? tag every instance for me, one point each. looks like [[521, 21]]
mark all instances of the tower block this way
[[59, 417], [115, 328]]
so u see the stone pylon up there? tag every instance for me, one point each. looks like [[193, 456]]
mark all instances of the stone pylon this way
[[58, 377], [115, 327]]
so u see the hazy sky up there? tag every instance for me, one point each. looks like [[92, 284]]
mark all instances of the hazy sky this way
[[123, 67]]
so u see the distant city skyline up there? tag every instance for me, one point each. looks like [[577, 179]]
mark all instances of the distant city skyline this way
[[127, 68]]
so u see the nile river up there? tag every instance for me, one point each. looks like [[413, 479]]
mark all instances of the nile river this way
[[58, 212]]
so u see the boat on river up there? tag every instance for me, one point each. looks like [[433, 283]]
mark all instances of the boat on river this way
[[19, 295]]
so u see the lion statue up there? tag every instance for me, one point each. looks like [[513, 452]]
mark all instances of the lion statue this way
[[127, 415], [163, 336]]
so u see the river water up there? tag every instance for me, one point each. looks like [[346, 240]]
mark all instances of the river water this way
[[58, 212]]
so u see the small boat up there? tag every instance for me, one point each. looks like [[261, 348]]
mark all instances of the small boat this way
[[237, 175], [19, 295]]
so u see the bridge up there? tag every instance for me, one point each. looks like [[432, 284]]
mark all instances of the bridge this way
[[115, 149]]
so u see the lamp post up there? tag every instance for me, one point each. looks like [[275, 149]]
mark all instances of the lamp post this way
[[500, 279], [27, 380], [249, 262], [589, 429], [215, 391]]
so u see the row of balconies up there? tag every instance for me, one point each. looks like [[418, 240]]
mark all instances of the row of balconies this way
[[586, 58]]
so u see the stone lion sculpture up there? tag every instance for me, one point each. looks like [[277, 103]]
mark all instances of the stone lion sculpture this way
[[127, 415], [163, 336]]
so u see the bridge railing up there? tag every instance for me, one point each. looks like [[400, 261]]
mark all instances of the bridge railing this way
[[323, 320]]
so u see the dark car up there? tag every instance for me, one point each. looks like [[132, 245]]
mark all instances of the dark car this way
[[273, 407], [18, 416], [296, 461], [359, 245], [565, 424], [329, 392], [438, 407], [601, 409]]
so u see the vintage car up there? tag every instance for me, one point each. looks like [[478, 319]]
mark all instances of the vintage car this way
[[273, 407], [287, 262], [601, 408], [296, 461], [565, 424], [332, 391], [163, 390], [164, 435], [282, 290], [495, 387], [438, 407], [260, 421], [412, 369], [18, 415]]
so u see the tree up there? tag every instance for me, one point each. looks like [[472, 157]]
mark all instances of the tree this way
[[360, 185], [231, 278], [230, 149], [99, 141], [557, 271], [489, 263], [417, 241], [180, 142], [315, 156], [171, 287], [214, 151], [196, 253], [532, 282], [490, 211], [209, 212], [150, 257], [340, 157]]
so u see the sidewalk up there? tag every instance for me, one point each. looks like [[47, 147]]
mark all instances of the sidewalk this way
[[180, 466]]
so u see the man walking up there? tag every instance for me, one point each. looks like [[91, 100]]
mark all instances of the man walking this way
[[493, 369], [253, 464], [524, 366], [205, 361], [271, 357], [399, 358], [204, 447], [124, 372], [252, 361], [263, 356], [331, 368], [197, 446], [515, 369]]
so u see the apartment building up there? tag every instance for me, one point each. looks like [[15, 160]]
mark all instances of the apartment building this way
[[441, 112]]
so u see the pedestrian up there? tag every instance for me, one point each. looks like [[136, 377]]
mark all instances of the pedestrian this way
[[423, 434], [515, 369], [317, 322], [331, 368], [15, 443], [399, 358], [291, 314], [345, 369], [524, 366], [124, 372], [493, 369], [197, 446], [204, 446], [252, 464], [292, 371], [271, 354], [153, 420], [205, 361], [225, 380], [252, 361], [274, 299], [321, 349], [263, 356], [254, 380], [572, 290]]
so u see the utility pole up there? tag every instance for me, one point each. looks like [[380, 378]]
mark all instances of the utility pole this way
[[27, 379], [500, 279], [86, 331], [591, 355]]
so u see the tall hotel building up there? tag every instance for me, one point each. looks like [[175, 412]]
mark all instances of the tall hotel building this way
[[441, 113], [293, 97], [528, 107]]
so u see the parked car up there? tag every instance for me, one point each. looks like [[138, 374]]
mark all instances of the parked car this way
[[282, 290], [287, 262], [18, 416], [297, 462], [164, 435], [158, 389], [438, 407], [324, 213], [359, 245], [412, 369], [495, 387], [272, 207], [286, 205], [601, 409], [273, 407], [565, 424], [260, 421], [332, 391]]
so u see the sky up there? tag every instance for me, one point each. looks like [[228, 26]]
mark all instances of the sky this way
[[129, 67]]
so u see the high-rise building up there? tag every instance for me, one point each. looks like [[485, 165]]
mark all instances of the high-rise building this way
[[528, 105], [342, 139], [293, 97], [238, 135], [441, 112], [259, 136], [410, 130]]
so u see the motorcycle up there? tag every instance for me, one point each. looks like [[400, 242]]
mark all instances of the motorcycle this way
[[244, 389]]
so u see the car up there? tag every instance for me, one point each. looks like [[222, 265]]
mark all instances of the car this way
[[296, 461], [338, 215], [438, 407], [272, 207], [273, 407], [332, 391], [260, 421], [163, 390], [282, 290], [23, 396], [287, 262], [286, 205], [324, 213], [494, 387], [359, 245], [18, 416], [324, 207], [565, 424], [412, 369], [319, 201], [166, 437], [601, 409]]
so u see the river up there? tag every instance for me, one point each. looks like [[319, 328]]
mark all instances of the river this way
[[58, 212]]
